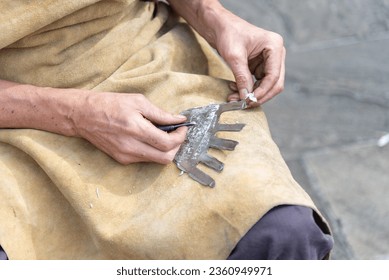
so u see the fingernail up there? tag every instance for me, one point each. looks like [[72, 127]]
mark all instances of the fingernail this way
[[233, 86], [244, 92], [180, 117]]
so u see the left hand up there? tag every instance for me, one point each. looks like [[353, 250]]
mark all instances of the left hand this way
[[252, 51], [247, 49]]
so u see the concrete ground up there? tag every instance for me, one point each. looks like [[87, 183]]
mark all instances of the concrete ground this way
[[332, 121]]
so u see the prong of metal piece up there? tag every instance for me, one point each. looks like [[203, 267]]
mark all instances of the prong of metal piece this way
[[201, 177], [230, 127], [222, 144], [230, 106], [212, 162]]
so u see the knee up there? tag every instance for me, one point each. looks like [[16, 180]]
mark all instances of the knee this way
[[287, 225], [284, 233], [3, 255], [293, 233]]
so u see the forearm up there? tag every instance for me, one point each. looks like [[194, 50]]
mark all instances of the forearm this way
[[205, 16], [121, 125], [27, 106]]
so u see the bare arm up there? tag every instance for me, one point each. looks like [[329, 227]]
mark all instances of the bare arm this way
[[247, 49], [26, 106], [118, 124]]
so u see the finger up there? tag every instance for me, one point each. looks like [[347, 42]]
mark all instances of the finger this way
[[233, 97], [150, 134], [279, 86], [257, 83], [259, 73], [273, 61], [232, 86], [255, 63], [243, 77], [142, 152], [157, 115]]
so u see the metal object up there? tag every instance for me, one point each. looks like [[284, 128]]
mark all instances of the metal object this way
[[202, 136], [172, 127], [251, 98]]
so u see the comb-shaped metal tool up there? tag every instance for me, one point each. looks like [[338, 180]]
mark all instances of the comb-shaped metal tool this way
[[202, 136]]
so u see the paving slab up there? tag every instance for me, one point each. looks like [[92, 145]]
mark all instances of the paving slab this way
[[358, 69], [334, 109], [302, 122], [342, 248], [333, 96], [355, 180], [306, 22]]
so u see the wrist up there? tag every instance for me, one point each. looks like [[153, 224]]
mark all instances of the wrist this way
[[209, 14], [76, 110], [85, 113], [205, 16], [217, 22], [48, 109]]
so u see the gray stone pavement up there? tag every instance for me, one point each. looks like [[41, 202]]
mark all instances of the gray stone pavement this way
[[334, 110]]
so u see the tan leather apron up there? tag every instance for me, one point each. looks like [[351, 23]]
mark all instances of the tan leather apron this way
[[62, 198]]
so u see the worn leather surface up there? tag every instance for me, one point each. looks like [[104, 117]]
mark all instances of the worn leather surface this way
[[61, 198]]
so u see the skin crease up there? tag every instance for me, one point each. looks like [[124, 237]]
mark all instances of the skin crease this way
[[121, 125]]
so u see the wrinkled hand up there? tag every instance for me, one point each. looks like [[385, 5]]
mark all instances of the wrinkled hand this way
[[252, 51], [121, 125]]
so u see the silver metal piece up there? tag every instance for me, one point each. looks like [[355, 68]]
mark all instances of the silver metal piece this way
[[251, 98], [202, 136]]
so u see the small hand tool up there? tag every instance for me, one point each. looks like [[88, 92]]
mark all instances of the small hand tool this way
[[172, 127]]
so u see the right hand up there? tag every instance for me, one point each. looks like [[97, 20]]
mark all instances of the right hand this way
[[121, 125]]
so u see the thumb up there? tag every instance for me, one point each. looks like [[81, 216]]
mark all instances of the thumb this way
[[243, 78], [159, 116]]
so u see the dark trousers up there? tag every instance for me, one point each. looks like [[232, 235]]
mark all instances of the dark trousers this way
[[3, 255], [285, 233]]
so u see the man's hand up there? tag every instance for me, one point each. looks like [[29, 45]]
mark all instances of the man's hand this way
[[122, 126], [252, 51], [248, 50]]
